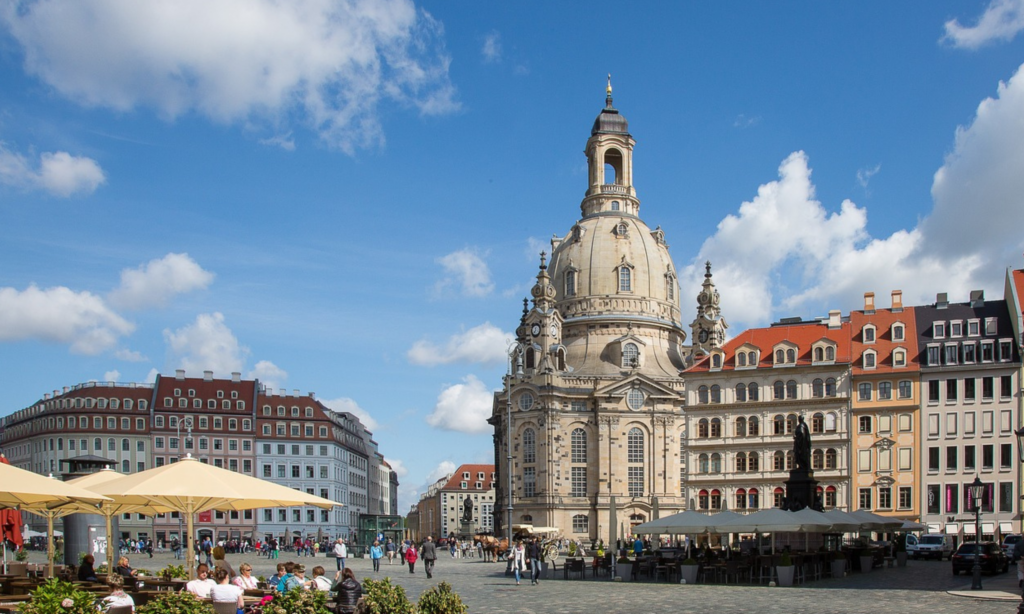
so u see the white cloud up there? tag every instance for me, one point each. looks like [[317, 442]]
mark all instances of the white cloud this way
[[467, 270], [130, 355], [745, 121], [284, 141], [484, 344], [444, 469], [328, 65], [864, 175], [1001, 21], [268, 373], [463, 407], [206, 345], [398, 466], [151, 376], [80, 319], [345, 404], [492, 48], [156, 282], [112, 376], [58, 173]]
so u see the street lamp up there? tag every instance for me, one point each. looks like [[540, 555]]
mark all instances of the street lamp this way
[[1020, 454], [977, 491], [187, 421], [516, 353]]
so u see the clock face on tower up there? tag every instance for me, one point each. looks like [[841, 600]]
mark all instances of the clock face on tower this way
[[703, 336], [553, 330], [535, 330]]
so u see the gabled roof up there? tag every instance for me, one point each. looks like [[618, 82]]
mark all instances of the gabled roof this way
[[803, 335], [455, 482], [882, 320]]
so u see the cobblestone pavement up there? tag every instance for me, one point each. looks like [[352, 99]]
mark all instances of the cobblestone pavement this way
[[922, 586]]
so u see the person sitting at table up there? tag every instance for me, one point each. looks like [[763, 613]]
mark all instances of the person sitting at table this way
[[297, 580], [347, 592], [223, 591], [200, 587], [244, 579], [117, 597], [277, 577], [219, 562], [320, 582], [124, 568], [86, 573], [289, 568]]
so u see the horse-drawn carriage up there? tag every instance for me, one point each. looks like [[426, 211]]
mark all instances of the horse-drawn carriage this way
[[496, 548]]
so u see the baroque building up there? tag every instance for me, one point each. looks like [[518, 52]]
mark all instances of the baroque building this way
[[589, 419]]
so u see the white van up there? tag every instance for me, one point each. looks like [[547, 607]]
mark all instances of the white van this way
[[931, 545]]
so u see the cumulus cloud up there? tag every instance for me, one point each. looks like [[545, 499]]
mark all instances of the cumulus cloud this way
[[463, 407], [130, 355], [864, 175], [1001, 21], [466, 270], [206, 345], [58, 173], [443, 469], [151, 376], [329, 65], [345, 404], [79, 319], [156, 282], [268, 373], [491, 50], [485, 344], [398, 467], [284, 141], [112, 376]]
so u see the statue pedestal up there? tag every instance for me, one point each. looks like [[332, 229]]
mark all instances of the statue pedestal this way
[[801, 491], [467, 528]]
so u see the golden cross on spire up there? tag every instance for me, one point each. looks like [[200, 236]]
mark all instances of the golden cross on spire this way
[[609, 90]]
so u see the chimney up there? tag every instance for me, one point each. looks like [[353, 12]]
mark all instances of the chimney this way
[[236, 376], [312, 395], [46, 396], [65, 389], [897, 300], [179, 374], [295, 392], [835, 319], [977, 298], [208, 376], [941, 300], [869, 302]]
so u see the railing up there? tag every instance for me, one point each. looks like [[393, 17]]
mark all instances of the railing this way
[[610, 188]]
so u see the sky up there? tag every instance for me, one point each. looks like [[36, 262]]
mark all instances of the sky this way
[[349, 197]]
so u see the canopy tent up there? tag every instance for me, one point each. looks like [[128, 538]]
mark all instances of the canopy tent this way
[[875, 522], [776, 520], [189, 487], [10, 524], [910, 525], [683, 522]]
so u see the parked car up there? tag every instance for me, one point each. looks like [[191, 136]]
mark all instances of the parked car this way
[[1008, 543], [930, 546], [991, 558]]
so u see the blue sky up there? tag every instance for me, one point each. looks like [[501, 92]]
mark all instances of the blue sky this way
[[349, 197]]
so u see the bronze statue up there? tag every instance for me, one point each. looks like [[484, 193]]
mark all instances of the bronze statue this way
[[467, 509], [802, 446]]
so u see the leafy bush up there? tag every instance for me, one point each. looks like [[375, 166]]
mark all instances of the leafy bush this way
[[441, 599], [59, 597], [786, 560], [297, 601], [383, 597], [174, 603], [172, 572], [690, 561], [22, 555]]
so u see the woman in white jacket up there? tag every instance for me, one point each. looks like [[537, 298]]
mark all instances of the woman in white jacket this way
[[518, 560]]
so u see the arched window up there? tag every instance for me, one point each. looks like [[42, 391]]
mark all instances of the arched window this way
[[741, 393], [819, 354], [830, 353], [702, 464], [741, 498], [570, 283], [716, 394], [560, 359], [818, 423], [779, 461], [780, 357], [702, 395], [790, 423], [779, 390], [830, 421], [753, 426], [716, 361], [716, 463], [830, 496], [791, 356], [716, 427], [789, 460], [752, 391], [817, 460], [791, 389], [753, 462], [741, 359], [625, 279], [702, 500], [779, 425], [126, 467], [778, 497], [818, 387], [635, 446], [741, 427], [529, 446], [830, 387], [753, 501], [579, 446], [125, 445], [530, 358], [741, 461], [716, 499], [752, 359], [830, 459], [111, 444], [702, 428], [630, 356]]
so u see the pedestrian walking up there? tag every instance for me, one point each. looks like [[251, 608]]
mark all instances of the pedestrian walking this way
[[534, 552], [410, 558], [377, 553], [389, 548], [340, 553], [518, 560], [429, 553]]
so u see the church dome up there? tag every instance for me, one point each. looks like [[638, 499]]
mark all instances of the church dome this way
[[610, 121]]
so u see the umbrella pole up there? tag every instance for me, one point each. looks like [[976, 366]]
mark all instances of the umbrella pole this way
[[50, 548], [110, 541], [191, 548]]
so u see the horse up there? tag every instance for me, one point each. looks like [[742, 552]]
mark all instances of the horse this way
[[493, 547]]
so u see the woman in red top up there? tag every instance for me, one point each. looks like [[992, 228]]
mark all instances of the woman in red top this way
[[410, 558]]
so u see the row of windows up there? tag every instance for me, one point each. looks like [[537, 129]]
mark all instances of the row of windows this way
[[968, 352], [968, 421], [232, 463], [897, 332], [192, 393], [750, 426], [295, 449], [98, 403], [866, 424], [869, 359], [751, 461], [956, 328], [82, 445], [969, 460], [198, 403], [905, 498], [970, 389], [951, 498], [281, 429], [297, 471], [112, 423], [882, 391], [204, 444], [820, 388], [751, 498], [203, 422], [281, 411]]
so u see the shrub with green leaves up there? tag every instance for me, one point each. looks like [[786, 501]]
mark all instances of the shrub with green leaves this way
[[441, 599], [59, 597], [383, 597], [22, 555], [174, 572], [297, 601], [174, 603]]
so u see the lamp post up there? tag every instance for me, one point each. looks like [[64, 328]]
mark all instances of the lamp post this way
[[187, 420], [977, 491], [515, 354], [1020, 454]]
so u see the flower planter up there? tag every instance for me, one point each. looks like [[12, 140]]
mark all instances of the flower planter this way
[[866, 563], [901, 559], [688, 573], [838, 568], [785, 574]]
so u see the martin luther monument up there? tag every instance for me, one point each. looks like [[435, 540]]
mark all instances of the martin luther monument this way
[[801, 487]]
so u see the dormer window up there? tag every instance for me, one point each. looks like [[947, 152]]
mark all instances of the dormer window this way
[[741, 359], [868, 333], [625, 273], [974, 328], [621, 230], [630, 356], [791, 356], [869, 359], [899, 358], [956, 329], [938, 330], [897, 332], [570, 283], [716, 361]]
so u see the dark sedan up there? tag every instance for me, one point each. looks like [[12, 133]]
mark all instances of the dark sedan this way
[[991, 558]]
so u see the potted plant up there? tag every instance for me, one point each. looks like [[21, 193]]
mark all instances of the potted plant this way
[[441, 599], [296, 602], [383, 597], [174, 572], [22, 555], [174, 603], [59, 597], [838, 564], [785, 570], [901, 550], [688, 571]]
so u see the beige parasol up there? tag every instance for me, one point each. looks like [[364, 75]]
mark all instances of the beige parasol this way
[[48, 497], [189, 487]]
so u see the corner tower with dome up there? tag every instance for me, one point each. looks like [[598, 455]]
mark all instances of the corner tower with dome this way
[[594, 402]]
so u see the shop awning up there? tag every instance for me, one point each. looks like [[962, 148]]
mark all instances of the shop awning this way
[[934, 527], [1005, 527], [988, 528], [952, 528], [968, 529]]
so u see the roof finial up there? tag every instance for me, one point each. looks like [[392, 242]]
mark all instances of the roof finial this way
[[707, 269], [608, 92], [543, 265]]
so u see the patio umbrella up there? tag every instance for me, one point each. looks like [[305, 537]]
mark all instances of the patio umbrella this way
[[775, 521], [875, 522], [910, 525], [683, 522], [10, 524], [189, 487], [109, 509]]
